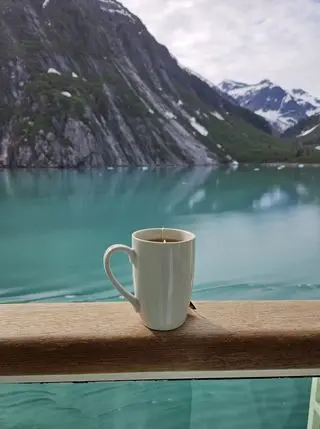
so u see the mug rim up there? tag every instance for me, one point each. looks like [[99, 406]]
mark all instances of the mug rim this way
[[191, 236]]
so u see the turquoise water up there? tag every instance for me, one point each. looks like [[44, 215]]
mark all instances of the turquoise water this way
[[258, 237]]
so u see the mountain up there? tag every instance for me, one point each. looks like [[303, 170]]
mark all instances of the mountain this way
[[84, 84], [307, 135], [281, 108]]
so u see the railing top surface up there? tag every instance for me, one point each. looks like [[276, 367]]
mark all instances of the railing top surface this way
[[91, 338]]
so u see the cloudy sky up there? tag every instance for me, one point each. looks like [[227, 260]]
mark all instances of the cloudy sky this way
[[246, 40]]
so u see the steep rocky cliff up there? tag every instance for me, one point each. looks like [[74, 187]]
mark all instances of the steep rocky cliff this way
[[84, 84]]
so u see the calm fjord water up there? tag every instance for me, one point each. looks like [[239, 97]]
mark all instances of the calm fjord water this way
[[258, 237]]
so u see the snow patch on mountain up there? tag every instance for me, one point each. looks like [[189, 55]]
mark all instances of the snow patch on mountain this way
[[200, 128], [53, 71], [276, 119], [307, 99], [170, 115], [116, 8], [241, 89], [217, 115], [121, 12], [305, 133], [66, 94]]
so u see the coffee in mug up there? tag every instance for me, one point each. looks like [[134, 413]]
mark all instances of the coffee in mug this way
[[163, 263]]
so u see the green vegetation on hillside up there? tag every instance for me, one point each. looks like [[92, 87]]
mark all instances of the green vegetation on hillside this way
[[242, 141]]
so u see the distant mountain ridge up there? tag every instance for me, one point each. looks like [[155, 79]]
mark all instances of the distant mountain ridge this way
[[282, 108]]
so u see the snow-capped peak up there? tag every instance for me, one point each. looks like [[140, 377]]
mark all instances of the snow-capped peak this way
[[304, 97], [281, 107]]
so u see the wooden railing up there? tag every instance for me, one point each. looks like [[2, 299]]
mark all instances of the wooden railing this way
[[107, 341]]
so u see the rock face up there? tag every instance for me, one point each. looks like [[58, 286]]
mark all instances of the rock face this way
[[283, 109], [84, 84], [307, 133]]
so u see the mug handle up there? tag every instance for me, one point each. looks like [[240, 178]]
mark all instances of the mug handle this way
[[106, 262]]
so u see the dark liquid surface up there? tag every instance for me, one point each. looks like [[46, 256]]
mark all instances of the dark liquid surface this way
[[164, 240]]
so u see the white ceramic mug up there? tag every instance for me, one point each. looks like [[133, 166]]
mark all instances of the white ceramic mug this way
[[163, 273]]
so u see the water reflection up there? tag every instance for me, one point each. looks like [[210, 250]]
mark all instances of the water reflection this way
[[193, 190], [258, 232]]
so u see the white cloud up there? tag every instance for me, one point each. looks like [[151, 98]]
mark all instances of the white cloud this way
[[240, 39]]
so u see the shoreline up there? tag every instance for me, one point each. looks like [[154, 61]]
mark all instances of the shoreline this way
[[288, 164], [152, 167]]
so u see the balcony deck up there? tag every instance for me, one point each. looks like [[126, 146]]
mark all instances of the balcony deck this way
[[107, 341]]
